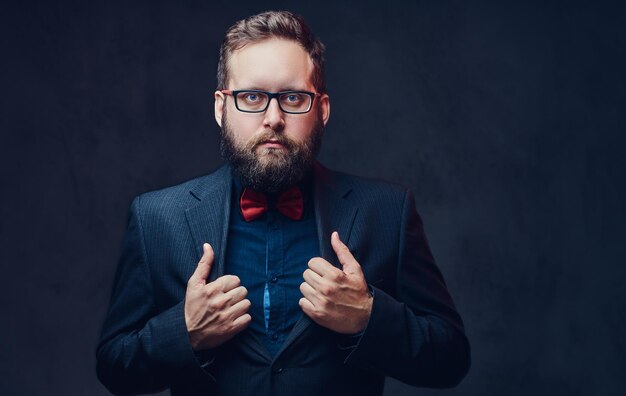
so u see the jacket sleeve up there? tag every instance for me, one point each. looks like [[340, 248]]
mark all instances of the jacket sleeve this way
[[142, 350], [415, 335]]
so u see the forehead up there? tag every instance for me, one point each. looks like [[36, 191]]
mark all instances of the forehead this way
[[273, 64]]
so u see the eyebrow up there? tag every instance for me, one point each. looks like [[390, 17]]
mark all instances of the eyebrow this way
[[287, 88]]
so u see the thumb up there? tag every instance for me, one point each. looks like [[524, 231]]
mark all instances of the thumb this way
[[347, 260], [201, 273]]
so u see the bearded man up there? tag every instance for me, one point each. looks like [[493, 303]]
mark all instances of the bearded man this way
[[274, 275]]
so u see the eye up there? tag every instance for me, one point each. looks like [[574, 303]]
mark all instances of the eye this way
[[251, 97], [293, 98]]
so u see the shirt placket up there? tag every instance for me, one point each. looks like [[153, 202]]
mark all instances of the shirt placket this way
[[274, 291]]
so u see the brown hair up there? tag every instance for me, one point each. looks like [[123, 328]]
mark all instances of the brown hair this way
[[272, 24]]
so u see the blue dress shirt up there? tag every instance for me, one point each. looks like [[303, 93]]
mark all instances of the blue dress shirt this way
[[269, 255]]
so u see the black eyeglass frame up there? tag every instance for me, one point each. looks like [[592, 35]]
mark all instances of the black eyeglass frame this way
[[271, 95]]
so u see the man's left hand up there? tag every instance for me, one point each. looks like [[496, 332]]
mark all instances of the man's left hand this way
[[336, 299]]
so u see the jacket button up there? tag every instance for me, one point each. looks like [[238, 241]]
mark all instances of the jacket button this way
[[277, 370]]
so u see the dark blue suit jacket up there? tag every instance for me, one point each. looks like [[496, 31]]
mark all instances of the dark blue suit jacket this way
[[414, 333]]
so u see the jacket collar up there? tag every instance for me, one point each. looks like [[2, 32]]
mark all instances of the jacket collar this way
[[208, 219]]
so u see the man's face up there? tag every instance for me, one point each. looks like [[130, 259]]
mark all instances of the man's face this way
[[272, 150]]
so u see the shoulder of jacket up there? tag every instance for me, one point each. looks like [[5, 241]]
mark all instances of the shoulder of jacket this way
[[369, 186], [181, 194]]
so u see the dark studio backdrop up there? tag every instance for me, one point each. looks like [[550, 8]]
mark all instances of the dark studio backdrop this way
[[505, 118]]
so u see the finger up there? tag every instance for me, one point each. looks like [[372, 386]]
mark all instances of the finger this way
[[203, 269], [235, 295], [347, 260], [309, 293], [313, 278], [239, 309], [241, 322], [307, 306], [226, 283], [321, 266]]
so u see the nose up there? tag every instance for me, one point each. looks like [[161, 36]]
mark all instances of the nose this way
[[274, 117]]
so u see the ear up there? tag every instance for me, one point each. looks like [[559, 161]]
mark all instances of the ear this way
[[325, 107], [219, 107]]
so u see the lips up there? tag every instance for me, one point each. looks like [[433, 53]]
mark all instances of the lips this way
[[272, 143]]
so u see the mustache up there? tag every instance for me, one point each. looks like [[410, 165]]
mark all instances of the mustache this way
[[271, 135]]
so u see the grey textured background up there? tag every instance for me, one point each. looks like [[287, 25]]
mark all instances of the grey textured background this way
[[506, 119]]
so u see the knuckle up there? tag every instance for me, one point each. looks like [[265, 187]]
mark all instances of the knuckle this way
[[322, 304], [319, 314], [218, 305], [221, 331], [324, 290]]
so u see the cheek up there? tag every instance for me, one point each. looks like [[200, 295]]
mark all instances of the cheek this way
[[301, 129], [243, 128]]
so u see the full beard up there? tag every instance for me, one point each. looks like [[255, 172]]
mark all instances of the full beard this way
[[269, 169]]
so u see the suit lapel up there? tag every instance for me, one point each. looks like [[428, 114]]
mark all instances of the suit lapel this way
[[208, 220], [334, 211]]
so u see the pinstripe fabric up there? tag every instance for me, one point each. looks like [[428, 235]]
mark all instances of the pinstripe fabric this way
[[414, 333]]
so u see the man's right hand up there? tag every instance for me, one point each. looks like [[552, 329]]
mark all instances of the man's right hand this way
[[215, 311]]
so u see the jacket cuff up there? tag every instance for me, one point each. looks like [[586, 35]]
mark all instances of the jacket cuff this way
[[351, 341]]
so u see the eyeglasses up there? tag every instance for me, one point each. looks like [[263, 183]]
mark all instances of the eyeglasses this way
[[255, 101]]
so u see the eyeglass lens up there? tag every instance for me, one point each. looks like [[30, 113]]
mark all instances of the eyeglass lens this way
[[294, 102]]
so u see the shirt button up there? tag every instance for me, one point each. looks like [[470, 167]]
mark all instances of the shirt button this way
[[277, 370], [274, 336], [274, 227], [274, 279]]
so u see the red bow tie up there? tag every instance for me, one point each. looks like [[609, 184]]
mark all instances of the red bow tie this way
[[253, 204]]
